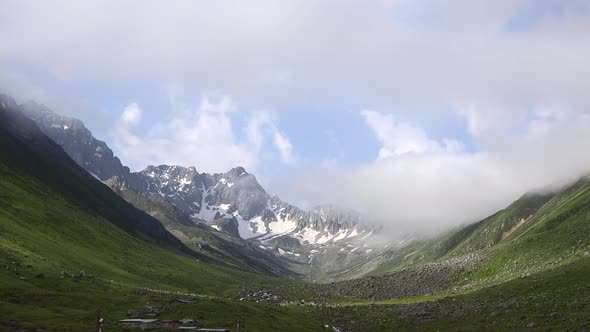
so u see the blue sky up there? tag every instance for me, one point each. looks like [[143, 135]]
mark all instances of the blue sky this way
[[381, 105]]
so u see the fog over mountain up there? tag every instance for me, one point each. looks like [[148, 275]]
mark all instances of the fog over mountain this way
[[427, 188], [386, 107], [295, 165]]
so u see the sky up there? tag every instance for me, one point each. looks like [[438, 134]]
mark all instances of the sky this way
[[421, 114]]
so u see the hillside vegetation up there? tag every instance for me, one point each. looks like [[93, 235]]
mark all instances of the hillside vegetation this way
[[70, 246]]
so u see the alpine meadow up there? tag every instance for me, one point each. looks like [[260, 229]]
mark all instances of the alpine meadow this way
[[343, 166]]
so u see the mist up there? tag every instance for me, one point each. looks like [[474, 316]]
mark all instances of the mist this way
[[427, 192], [515, 74]]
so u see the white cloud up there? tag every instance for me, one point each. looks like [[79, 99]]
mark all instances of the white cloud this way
[[488, 121], [443, 187], [262, 123], [490, 61], [420, 52], [204, 137], [225, 104], [283, 145], [255, 128], [131, 115], [398, 138], [127, 123]]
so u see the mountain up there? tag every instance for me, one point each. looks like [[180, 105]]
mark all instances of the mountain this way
[[536, 232], [27, 148], [236, 194], [70, 246], [218, 239], [71, 134]]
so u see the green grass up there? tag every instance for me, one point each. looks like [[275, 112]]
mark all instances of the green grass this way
[[256, 316], [43, 233], [557, 234], [219, 247], [55, 218], [555, 299]]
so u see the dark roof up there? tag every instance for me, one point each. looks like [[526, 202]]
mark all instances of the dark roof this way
[[138, 321]]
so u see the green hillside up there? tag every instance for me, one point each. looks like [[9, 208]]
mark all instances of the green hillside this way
[[489, 275], [219, 246], [44, 237], [70, 246], [549, 216], [552, 300]]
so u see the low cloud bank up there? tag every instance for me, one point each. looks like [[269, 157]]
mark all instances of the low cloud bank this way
[[419, 185]]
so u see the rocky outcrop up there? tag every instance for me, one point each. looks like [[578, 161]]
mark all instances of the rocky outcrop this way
[[201, 196], [423, 280], [238, 194], [92, 154]]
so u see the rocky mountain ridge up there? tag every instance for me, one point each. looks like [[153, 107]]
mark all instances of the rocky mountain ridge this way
[[78, 142], [235, 194]]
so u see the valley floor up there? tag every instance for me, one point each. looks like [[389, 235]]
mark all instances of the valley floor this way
[[557, 299], [70, 247]]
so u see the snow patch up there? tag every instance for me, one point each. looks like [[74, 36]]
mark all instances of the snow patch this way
[[366, 236], [283, 252], [244, 228], [340, 235], [307, 234], [353, 233], [282, 226]]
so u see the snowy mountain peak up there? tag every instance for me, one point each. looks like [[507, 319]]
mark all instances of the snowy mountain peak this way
[[237, 172], [235, 194]]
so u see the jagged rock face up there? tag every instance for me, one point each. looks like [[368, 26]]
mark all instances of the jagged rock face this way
[[77, 141], [228, 225], [238, 194], [28, 149], [201, 195], [178, 185], [283, 242], [238, 189], [327, 217], [234, 194]]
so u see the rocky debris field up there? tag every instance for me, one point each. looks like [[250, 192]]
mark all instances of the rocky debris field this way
[[424, 280], [264, 295], [514, 313]]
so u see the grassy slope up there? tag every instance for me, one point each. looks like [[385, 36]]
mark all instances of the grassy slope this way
[[235, 252], [484, 236], [555, 299], [45, 230], [41, 233], [54, 217], [558, 233], [536, 277]]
